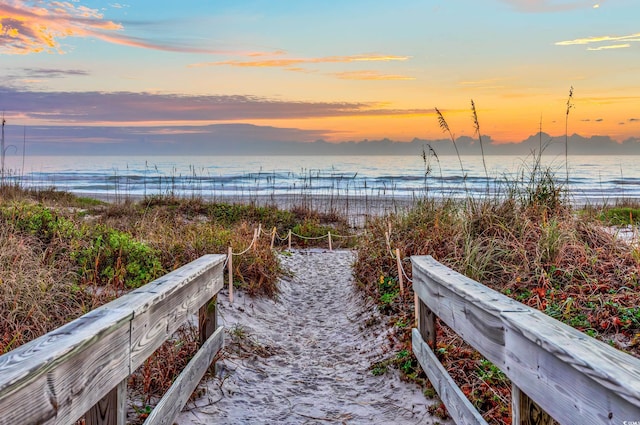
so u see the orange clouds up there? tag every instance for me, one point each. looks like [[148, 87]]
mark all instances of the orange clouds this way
[[31, 27], [34, 26], [297, 64], [288, 62]]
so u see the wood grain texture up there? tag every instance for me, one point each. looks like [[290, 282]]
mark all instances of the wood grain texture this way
[[111, 409], [427, 324], [573, 377], [61, 375], [472, 310], [458, 406], [165, 304], [525, 411], [58, 377], [208, 319], [176, 397]]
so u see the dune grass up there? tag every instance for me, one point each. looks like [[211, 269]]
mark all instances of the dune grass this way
[[62, 256], [530, 244]]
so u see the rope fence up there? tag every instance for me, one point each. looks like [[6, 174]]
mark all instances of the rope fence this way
[[274, 235]]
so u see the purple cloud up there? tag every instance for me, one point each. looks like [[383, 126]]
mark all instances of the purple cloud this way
[[97, 107]]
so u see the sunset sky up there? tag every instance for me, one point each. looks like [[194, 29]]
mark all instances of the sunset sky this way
[[332, 70]]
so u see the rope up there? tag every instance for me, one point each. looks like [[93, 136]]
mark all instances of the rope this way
[[310, 238], [405, 275], [265, 232], [386, 236], [255, 237]]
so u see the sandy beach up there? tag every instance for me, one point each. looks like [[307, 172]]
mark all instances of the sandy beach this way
[[304, 357]]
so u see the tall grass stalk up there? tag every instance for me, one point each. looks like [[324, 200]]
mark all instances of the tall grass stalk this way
[[476, 126], [445, 129], [566, 134]]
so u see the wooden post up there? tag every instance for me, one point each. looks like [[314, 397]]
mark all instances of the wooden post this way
[[525, 411], [112, 409], [427, 324], [256, 233], [207, 319], [230, 267], [273, 236], [289, 239], [400, 273], [330, 245]]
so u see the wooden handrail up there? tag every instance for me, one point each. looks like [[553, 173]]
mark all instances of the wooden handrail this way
[[82, 367], [556, 370]]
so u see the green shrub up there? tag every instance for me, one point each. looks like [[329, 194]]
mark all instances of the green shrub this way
[[116, 257]]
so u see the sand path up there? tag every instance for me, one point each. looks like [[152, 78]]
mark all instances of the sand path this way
[[304, 357]]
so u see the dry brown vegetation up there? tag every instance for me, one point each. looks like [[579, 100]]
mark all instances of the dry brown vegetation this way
[[62, 256], [539, 251]]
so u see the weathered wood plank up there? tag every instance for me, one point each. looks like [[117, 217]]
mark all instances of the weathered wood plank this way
[[169, 301], [574, 378], [525, 411], [458, 406], [175, 398], [61, 375], [208, 319], [427, 324], [111, 410], [472, 310]]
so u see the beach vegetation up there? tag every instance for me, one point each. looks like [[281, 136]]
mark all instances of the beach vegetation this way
[[62, 256], [528, 241]]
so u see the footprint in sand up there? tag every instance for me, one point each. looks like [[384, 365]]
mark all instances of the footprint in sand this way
[[303, 358]]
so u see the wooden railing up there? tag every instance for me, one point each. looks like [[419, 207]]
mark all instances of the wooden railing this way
[[81, 368], [556, 371]]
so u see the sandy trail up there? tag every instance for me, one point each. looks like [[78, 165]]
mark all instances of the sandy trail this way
[[304, 357]]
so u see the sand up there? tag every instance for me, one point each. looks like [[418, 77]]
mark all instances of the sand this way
[[304, 357]]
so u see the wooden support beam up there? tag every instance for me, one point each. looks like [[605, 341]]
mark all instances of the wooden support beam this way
[[459, 407], [112, 409], [525, 411], [207, 319], [427, 324], [176, 397]]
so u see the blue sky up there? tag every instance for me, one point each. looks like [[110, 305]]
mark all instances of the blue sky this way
[[333, 70]]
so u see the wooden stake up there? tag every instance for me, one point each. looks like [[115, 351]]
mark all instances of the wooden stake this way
[[400, 274], [255, 239], [273, 236], [230, 266], [330, 245], [289, 239]]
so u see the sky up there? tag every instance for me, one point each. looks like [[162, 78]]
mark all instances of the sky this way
[[332, 70]]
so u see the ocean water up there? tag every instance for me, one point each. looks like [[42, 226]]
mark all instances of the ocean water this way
[[591, 178]]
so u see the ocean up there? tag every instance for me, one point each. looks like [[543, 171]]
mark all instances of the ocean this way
[[591, 178]]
